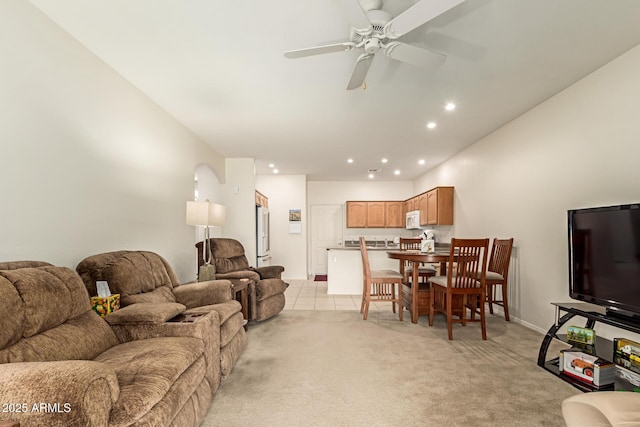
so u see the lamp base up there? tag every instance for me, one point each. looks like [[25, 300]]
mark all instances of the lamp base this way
[[207, 272]]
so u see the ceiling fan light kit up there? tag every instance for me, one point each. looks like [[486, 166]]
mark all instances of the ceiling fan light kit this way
[[380, 35]]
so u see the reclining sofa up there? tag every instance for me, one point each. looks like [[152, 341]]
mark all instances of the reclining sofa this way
[[63, 365], [146, 277], [266, 287]]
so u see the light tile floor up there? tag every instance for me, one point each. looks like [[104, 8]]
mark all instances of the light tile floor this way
[[310, 295]]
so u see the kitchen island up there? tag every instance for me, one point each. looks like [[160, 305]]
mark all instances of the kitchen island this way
[[344, 268]]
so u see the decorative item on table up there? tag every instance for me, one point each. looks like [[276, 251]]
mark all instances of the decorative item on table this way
[[576, 334], [428, 243], [626, 355], [105, 302], [206, 214], [586, 368]]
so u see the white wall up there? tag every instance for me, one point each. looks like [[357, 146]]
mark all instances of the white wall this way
[[286, 192], [239, 195], [580, 148], [338, 192], [89, 164]]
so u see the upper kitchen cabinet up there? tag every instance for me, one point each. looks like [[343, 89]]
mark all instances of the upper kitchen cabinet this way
[[394, 213], [436, 206], [261, 199], [375, 214], [356, 214]]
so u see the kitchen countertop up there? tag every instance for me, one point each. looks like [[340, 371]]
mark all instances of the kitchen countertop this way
[[357, 248]]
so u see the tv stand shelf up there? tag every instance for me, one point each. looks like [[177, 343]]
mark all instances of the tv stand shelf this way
[[603, 348]]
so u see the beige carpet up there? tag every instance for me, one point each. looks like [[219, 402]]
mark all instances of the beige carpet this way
[[331, 368]]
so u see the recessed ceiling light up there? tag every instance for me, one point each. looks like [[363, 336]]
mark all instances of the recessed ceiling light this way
[[371, 176], [421, 162], [450, 106], [349, 160], [384, 160], [397, 172], [276, 171], [431, 125], [271, 165]]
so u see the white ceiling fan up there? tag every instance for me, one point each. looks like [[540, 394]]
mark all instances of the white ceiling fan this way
[[381, 34]]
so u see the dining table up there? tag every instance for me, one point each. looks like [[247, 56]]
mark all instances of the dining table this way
[[417, 257]]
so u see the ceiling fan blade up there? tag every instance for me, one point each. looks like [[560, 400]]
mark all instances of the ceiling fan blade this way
[[416, 15], [360, 70], [419, 57], [319, 50]]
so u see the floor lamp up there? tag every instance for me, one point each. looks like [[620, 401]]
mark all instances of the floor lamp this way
[[206, 214]]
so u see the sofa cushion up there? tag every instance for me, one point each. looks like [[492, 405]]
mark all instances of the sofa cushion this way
[[11, 314], [83, 337], [50, 296], [157, 296], [147, 370], [229, 255], [129, 273], [45, 315]]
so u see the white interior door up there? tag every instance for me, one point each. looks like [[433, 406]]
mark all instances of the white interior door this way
[[326, 231]]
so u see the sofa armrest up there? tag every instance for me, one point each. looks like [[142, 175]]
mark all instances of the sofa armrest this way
[[239, 274], [61, 393], [269, 271], [203, 293], [145, 313]]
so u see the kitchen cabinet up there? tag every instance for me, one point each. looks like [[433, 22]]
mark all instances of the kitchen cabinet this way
[[375, 214], [436, 206], [412, 204], [356, 214], [394, 215], [261, 199]]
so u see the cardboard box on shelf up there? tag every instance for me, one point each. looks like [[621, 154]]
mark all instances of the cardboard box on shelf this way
[[587, 368]]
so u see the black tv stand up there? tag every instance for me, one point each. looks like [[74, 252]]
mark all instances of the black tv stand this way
[[603, 348], [623, 315]]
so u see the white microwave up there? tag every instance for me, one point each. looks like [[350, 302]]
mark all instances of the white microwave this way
[[413, 220]]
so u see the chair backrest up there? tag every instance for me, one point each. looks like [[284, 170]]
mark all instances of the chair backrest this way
[[466, 258], [227, 255], [45, 316], [366, 268], [500, 256], [410, 243], [138, 276]]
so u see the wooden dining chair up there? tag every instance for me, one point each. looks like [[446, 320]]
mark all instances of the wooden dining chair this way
[[379, 285], [466, 258], [498, 273], [424, 271]]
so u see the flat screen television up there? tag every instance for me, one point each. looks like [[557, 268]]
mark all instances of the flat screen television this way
[[604, 257]]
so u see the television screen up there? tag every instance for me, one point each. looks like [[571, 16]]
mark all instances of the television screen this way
[[604, 257]]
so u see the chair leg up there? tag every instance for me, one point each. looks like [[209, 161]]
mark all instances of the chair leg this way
[[399, 286], [490, 297], [432, 294], [450, 315], [366, 309], [483, 320], [505, 304]]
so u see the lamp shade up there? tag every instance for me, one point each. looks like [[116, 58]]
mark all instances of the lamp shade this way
[[206, 214], [217, 214]]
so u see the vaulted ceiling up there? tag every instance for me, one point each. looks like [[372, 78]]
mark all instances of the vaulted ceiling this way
[[218, 68]]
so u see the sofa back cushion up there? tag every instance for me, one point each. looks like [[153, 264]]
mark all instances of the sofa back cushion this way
[[229, 255], [138, 276], [45, 315]]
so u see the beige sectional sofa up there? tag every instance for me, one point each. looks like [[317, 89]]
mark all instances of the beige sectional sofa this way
[[63, 365]]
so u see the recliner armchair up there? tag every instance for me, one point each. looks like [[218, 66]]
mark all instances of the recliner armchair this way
[[266, 288], [146, 277]]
